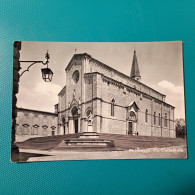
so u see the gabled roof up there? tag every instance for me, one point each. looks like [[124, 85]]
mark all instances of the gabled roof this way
[[63, 91], [74, 102], [133, 103], [82, 55], [36, 111], [76, 56]]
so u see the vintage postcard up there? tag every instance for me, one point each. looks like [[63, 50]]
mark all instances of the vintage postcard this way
[[98, 100]]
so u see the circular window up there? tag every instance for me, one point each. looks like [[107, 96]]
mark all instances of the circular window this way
[[75, 76]]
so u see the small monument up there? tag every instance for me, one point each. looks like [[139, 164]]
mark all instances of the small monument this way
[[90, 123]]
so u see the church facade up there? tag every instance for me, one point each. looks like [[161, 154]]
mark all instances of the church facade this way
[[101, 99]]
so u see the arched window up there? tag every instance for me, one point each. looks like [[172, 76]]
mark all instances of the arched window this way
[[165, 121], [53, 130], [132, 116], [35, 129], [146, 116], [88, 111], [25, 129], [44, 132], [154, 118], [159, 120], [112, 107]]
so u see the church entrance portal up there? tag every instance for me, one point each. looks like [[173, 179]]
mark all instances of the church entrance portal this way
[[130, 128], [131, 121], [76, 125], [74, 121]]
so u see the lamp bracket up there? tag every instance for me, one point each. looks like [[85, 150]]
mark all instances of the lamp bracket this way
[[47, 56], [33, 62]]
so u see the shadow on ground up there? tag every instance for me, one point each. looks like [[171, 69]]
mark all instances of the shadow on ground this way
[[24, 156]]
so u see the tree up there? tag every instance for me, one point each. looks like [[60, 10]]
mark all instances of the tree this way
[[180, 127]]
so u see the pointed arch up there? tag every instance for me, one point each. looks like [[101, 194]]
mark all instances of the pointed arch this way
[[74, 111]]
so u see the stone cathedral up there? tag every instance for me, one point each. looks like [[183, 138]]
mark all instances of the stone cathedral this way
[[101, 99], [98, 98]]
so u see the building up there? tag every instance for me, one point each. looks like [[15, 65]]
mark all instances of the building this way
[[34, 123], [98, 98], [101, 99]]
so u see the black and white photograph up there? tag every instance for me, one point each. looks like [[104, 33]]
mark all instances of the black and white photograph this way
[[98, 100]]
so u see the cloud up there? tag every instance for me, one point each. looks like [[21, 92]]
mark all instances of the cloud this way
[[174, 96], [171, 87]]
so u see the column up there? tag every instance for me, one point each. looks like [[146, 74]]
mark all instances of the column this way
[[71, 126]]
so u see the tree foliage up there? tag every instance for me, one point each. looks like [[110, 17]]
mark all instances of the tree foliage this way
[[180, 127]]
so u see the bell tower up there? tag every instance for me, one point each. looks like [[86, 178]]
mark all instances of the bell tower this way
[[135, 74]]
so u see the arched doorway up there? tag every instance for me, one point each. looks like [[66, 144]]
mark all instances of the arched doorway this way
[[130, 128], [75, 119], [131, 122]]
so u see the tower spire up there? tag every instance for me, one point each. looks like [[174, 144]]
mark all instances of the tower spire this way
[[135, 74]]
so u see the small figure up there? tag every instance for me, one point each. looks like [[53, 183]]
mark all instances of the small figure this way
[[90, 119], [79, 102], [74, 93]]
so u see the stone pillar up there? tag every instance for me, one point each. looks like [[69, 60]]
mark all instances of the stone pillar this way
[[16, 68], [61, 130], [67, 130], [135, 128], [90, 128], [71, 126]]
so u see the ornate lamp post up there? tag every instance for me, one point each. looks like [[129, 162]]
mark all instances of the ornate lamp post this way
[[47, 73]]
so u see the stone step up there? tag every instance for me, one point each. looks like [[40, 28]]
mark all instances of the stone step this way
[[87, 142], [89, 135]]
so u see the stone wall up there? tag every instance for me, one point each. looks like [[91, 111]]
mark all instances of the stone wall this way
[[105, 91], [31, 123], [61, 100]]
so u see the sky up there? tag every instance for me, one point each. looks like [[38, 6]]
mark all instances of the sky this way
[[160, 65]]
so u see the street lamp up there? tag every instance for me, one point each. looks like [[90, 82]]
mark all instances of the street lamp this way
[[47, 73]]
